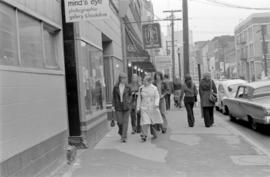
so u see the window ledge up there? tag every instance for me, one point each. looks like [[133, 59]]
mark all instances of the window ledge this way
[[31, 70]]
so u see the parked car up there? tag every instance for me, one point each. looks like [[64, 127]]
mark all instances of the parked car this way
[[251, 103], [226, 89]]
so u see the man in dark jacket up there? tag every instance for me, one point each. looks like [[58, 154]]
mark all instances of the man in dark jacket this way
[[170, 87], [121, 105]]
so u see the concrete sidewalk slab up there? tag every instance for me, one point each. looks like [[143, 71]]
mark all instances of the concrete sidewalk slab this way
[[182, 152]]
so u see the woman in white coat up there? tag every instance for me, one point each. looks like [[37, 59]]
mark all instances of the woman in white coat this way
[[148, 106]]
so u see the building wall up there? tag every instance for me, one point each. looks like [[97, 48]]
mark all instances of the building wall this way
[[33, 97], [248, 42], [110, 27]]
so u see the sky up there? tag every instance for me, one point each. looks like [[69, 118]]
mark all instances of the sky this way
[[206, 20]]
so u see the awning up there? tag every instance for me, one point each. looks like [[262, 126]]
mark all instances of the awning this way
[[145, 65]]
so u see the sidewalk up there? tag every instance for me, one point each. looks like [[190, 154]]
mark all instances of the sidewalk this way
[[182, 152]]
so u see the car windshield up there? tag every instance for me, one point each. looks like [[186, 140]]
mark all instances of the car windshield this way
[[262, 91]]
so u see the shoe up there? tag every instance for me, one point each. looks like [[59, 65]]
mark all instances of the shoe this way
[[164, 131], [154, 137], [144, 138], [133, 132], [123, 140]]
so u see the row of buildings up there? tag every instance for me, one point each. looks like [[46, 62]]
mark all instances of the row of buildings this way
[[56, 78], [243, 55]]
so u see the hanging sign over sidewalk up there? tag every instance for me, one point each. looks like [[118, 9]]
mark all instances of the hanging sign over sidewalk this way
[[85, 10], [151, 36]]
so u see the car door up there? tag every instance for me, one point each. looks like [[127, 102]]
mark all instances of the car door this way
[[240, 99]]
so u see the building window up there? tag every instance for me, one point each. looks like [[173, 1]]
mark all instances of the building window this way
[[250, 34], [8, 36], [251, 50], [27, 41], [50, 47], [30, 41]]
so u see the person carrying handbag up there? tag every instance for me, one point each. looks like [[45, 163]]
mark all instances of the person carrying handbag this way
[[189, 93], [207, 91]]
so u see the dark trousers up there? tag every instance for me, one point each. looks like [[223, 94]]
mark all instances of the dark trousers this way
[[122, 122], [133, 115], [190, 114], [139, 128], [154, 128], [168, 101], [135, 120], [208, 114]]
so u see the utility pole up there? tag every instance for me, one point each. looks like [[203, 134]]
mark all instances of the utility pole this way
[[173, 48], [179, 63], [264, 50], [185, 36]]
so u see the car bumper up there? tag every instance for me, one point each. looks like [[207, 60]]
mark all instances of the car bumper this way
[[265, 120]]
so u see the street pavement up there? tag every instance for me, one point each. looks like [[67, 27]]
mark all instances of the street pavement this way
[[219, 151]]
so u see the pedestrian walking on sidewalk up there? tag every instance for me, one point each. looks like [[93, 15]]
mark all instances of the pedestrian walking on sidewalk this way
[[189, 93], [135, 117], [121, 105], [163, 91], [177, 92], [169, 85], [206, 88], [148, 106]]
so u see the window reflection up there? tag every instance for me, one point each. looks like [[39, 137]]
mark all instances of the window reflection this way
[[30, 41], [93, 78], [8, 36]]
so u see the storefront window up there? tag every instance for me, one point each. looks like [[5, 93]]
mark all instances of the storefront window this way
[[97, 78], [30, 41], [8, 36], [92, 77]]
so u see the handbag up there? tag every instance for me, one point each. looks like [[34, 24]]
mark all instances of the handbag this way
[[112, 123], [213, 96]]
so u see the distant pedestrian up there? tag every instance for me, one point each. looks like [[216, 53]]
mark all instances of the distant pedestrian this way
[[177, 92], [121, 105], [163, 91], [189, 92], [206, 88], [148, 106], [135, 118], [170, 87]]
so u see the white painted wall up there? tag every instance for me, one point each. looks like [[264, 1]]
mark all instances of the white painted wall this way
[[32, 109], [32, 101]]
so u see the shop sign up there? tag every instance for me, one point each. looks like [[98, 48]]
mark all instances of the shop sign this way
[[85, 10], [151, 35]]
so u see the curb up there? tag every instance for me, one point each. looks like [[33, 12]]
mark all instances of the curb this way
[[235, 131]]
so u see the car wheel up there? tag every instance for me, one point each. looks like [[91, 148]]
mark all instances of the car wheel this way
[[225, 110], [232, 118], [253, 124]]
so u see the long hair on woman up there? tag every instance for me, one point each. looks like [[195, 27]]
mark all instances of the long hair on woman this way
[[188, 81]]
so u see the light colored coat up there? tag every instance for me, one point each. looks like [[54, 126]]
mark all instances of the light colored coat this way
[[147, 103]]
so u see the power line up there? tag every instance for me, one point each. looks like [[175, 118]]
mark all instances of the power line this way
[[229, 5]]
